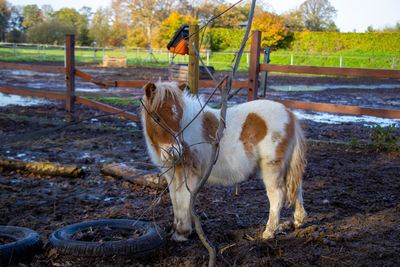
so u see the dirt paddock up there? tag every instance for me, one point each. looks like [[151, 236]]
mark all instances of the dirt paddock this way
[[351, 189]]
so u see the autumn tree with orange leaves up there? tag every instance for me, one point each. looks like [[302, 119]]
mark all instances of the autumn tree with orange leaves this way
[[272, 28]]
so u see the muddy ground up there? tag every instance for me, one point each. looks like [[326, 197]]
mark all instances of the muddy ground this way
[[351, 189]]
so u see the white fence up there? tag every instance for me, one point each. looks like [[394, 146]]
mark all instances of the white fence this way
[[219, 59]]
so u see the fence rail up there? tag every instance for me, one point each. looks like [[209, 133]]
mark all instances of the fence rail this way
[[341, 109], [251, 84]]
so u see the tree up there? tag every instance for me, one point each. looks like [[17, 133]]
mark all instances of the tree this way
[[273, 30], [395, 28], [5, 13], [172, 23], [15, 31], [79, 22], [145, 14], [318, 15], [100, 28], [293, 20], [32, 15], [231, 19], [50, 32]]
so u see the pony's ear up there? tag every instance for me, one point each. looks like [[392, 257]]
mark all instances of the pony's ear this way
[[149, 90], [182, 86]]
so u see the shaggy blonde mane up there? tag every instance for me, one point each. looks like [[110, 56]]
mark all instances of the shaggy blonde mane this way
[[165, 90]]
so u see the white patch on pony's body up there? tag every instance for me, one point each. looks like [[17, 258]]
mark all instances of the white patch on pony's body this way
[[259, 135]]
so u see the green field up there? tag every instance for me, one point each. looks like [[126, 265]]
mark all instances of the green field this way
[[220, 60]]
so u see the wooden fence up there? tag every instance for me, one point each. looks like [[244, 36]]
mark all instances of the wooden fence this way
[[256, 68], [252, 83]]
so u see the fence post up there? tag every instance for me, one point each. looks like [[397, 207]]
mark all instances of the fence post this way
[[70, 74], [264, 74], [193, 59], [254, 67], [341, 61], [291, 59], [208, 58]]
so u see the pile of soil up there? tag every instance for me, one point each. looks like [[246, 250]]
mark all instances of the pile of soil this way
[[351, 192]]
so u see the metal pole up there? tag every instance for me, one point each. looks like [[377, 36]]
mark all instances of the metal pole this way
[[341, 60], [208, 58], [264, 74], [150, 54], [70, 75], [291, 59]]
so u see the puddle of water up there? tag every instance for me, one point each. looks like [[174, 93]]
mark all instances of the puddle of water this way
[[331, 118], [6, 99], [28, 73], [299, 88]]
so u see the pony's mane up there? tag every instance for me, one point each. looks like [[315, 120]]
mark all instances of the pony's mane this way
[[165, 89]]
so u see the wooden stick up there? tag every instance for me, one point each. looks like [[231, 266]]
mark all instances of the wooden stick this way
[[42, 168]]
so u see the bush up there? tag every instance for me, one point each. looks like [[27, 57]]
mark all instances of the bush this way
[[226, 39], [316, 42]]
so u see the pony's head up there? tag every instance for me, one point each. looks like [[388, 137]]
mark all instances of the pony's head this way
[[163, 106]]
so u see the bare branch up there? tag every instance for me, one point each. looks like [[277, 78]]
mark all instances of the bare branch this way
[[215, 147]]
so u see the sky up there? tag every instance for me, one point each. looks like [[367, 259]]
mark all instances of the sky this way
[[351, 14]]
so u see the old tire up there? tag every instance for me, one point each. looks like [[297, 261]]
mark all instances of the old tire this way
[[27, 243], [140, 247]]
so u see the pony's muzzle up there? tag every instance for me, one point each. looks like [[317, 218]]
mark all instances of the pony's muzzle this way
[[172, 153]]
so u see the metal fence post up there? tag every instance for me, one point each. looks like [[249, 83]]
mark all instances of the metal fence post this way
[[264, 74], [291, 59], [70, 74], [341, 61]]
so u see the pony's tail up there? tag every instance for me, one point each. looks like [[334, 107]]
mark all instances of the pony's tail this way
[[295, 170]]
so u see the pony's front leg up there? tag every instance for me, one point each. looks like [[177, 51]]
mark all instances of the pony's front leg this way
[[180, 197]]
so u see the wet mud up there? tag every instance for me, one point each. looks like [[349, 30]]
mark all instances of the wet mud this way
[[351, 189]]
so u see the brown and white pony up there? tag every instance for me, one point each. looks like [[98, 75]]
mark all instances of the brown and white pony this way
[[259, 135]]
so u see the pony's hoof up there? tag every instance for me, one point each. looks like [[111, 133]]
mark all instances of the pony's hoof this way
[[267, 235], [299, 221], [178, 237]]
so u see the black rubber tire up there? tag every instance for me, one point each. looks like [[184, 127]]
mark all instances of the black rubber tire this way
[[140, 247], [23, 249]]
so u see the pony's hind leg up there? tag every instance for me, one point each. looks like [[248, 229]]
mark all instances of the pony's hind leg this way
[[299, 215], [274, 182]]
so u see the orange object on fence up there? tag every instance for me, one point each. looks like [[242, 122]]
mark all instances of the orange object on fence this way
[[178, 44], [181, 48]]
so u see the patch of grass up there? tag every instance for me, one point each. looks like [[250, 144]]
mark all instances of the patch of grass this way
[[220, 60], [386, 138], [119, 101]]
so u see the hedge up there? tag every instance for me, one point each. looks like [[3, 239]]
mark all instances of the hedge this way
[[335, 42], [226, 39], [315, 42]]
